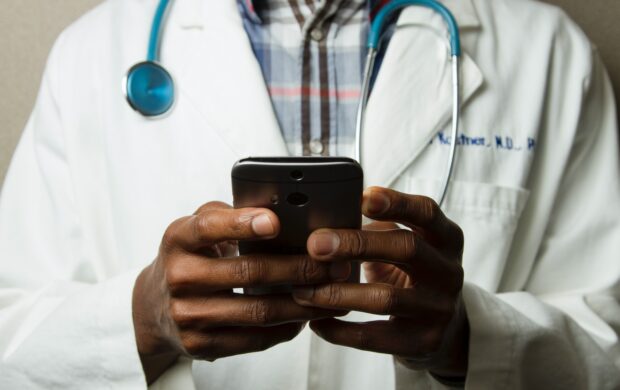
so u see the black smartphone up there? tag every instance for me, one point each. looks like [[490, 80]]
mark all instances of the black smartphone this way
[[306, 193]]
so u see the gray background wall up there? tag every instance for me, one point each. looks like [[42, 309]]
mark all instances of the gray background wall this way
[[28, 29]]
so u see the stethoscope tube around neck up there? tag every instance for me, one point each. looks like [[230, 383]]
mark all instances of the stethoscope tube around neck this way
[[149, 88]]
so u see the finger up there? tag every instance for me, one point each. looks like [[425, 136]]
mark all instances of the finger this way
[[236, 340], [221, 249], [380, 225], [240, 310], [214, 225], [376, 298], [413, 211], [390, 337], [215, 205], [192, 274], [401, 247]]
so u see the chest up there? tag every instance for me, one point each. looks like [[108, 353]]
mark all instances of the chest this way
[[149, 173]]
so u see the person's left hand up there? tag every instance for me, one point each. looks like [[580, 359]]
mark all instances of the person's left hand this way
[[414, 276]]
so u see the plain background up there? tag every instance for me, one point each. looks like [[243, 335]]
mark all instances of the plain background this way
[[29, 27]]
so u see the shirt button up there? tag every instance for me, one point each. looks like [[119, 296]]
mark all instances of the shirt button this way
[[317, 34], [316, 146]]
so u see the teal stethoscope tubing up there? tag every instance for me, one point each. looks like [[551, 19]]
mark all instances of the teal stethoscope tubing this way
[[374, 38], [155, 37], [149, 88]]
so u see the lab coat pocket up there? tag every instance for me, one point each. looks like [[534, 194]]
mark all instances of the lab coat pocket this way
[[488, 215]]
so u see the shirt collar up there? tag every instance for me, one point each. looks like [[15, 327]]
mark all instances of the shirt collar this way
[[251, 8], [191, 16], [248, 8], [463, 10]]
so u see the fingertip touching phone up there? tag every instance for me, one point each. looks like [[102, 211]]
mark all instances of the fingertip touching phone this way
[[306, 193]]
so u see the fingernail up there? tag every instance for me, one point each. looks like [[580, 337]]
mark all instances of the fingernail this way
[[325, 243], [339, 271], [377, 203], [303, 293], [262, 226]]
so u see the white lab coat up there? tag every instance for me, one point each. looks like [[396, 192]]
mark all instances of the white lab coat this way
[[93, 185]]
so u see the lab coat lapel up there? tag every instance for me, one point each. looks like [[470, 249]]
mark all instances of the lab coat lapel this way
[[209, 49], [412, 96]]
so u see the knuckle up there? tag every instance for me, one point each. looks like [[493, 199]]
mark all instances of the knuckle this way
[[331, 294], [355, 244], [429, 210], [213, 205], [202, 224], [249, 272], [386, 299], [239, 224], [258, 312], [239, 271], [169, 239], [309, 271], [180, 314], [176, 279], [402, 205], [193, 345], [409, 243]]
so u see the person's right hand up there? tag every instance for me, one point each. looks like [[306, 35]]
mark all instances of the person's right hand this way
[[184, 304]]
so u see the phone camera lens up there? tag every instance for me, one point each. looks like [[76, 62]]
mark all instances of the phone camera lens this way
[[297, 175], [297, 199]]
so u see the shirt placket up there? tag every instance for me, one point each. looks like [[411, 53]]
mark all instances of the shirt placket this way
[[311, 122], [315, 81]]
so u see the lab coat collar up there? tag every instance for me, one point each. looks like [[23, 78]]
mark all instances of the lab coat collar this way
[[242, 113], [190, 13], [463, 10], [219, 58], [400, 119]]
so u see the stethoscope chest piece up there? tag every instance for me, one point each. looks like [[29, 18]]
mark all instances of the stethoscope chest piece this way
[[149, 89]]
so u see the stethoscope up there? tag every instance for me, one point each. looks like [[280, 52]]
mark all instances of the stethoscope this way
[[149, 87]]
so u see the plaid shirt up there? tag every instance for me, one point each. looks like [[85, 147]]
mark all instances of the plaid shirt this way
[[312, 55]]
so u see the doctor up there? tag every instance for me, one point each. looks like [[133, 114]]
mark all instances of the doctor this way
[[530, 220]]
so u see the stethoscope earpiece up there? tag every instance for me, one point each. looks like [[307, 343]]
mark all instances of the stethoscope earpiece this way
[[149, 89]]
